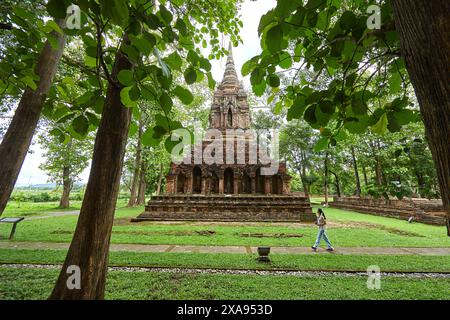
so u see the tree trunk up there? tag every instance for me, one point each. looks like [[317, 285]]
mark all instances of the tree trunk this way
[[302, 171], [424, 29], [366, 182], [142, 184], [158, 189], [17, 140], [90, 244], [67, 186], [355, 167], [325, 183], [337, 183], [137, 166]]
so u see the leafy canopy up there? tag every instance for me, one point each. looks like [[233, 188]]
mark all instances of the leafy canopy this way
[[362, 66]]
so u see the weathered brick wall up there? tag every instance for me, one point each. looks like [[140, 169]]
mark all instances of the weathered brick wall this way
[[429, 212]]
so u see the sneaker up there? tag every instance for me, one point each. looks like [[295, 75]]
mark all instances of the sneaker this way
[[330, 249], [314, 249]]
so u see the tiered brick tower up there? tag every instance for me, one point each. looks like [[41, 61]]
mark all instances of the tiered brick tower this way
[[234, 188]]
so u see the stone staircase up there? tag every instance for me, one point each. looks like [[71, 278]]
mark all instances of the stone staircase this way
[[228, 208]]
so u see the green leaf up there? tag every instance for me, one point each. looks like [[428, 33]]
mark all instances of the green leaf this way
[[81, 125], [273, 81], [322, 117], [314, 4], [169, 144], [192, 57], [190, 75], [393, 124], [266, 20], [166, 15], [297, 109], [125, 77], [405, 116], [143, 45], [310, 115], [134, 93], [285, 7], [274, 39], [347, 20], [147, 138], [381, 126], [205, 64], [153, 22], [183, 94], [29, 82], [165, 102], [211, 81], [125, 98], [259, 88], [257, 76], [321, 144], [52, 24], [359, 107], [180, 25], [395, 82], [285, 60], [357, 125], [57, 8], [117, 10], [174, 61], [248, 67]]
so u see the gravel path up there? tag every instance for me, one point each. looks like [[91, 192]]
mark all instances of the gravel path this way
[[244, 272]]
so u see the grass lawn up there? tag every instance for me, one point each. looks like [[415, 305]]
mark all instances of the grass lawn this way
[[345, 229], [244, 261], [38, 283]]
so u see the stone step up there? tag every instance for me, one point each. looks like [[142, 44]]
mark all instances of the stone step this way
[[167, 207], [227, 216]]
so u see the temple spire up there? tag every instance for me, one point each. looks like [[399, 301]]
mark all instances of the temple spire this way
[[230, 78]]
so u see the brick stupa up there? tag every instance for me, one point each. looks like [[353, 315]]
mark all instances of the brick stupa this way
[[224, 191]]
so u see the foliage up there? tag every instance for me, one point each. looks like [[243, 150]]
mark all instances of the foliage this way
[[71, 155], [366, 83], [157, 38]]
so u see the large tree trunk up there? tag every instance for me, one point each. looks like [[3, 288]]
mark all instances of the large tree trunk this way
[[355, 168], [67, 186], [17, 140], [90, 244], [424, 29], [137, 165]]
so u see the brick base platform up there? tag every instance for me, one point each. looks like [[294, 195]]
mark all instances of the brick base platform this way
[[422, 210], [228, 208]]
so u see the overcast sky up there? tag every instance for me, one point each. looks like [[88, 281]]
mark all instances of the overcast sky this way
[[251, 12]]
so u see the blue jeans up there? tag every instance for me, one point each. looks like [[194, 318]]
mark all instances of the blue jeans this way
[[323, 234]]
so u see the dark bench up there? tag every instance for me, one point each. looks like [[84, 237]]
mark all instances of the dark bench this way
[[14, 221]]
